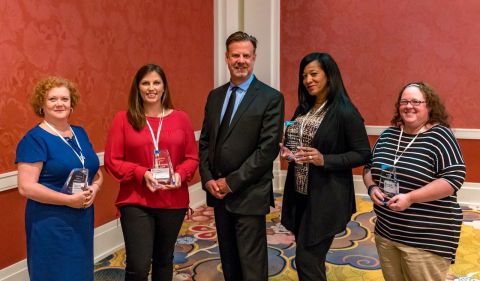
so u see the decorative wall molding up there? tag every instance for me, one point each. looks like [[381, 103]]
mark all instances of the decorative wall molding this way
[[108, 239], [469, 194], [9, 180], [463, 134]]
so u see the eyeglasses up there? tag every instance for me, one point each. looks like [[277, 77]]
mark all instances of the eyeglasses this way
[[412, 102]]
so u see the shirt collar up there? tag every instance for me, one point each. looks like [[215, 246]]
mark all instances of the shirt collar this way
[[245, 85]]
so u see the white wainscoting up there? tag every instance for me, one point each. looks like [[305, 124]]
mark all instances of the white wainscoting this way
[[469, 194]]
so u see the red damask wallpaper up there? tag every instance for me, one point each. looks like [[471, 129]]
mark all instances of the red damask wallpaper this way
[[382, 45], [99, 45]]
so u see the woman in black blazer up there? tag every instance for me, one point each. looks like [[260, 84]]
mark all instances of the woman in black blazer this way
[[324, 141]]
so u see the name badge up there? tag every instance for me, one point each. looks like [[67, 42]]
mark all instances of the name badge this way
[[391, 187], [388, 181]]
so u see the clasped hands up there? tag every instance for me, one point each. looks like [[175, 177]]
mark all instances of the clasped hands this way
[[399, 202], [153, 185], [84, 199], [304, 155], [218, 188]]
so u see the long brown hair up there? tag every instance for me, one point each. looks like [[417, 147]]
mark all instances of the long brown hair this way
[[437, 114], [136, 111]]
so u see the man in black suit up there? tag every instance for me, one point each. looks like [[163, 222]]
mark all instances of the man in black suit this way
[[241, 131]]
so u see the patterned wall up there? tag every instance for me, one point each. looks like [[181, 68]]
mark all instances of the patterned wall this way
[[381, 45], [99, 45]]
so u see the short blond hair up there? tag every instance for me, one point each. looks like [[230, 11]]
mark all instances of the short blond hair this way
[[43, 86]]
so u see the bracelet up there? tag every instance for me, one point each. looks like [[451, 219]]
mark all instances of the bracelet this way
[[369, 189]]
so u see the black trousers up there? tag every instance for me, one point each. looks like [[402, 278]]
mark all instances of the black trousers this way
[[242, 241], [150, 236], [309, 260]]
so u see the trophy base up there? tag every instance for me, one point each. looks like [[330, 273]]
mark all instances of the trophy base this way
[[162, 175]]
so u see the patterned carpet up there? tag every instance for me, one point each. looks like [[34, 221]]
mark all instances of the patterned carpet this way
[[352, 257]]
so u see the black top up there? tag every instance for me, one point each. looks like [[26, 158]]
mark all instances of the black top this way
[[343, 141]]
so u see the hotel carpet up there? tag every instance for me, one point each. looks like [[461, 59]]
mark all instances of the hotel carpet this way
[[352, 257]]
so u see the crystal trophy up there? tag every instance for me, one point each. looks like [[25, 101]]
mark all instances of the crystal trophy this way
[[388, 181], [77, 181], [291, 141], [162, 169]]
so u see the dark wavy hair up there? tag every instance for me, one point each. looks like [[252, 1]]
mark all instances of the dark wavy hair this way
[[136, 111], [437, 114], [337, 96]]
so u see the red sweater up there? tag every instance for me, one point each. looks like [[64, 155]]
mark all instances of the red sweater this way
[[129, 154]]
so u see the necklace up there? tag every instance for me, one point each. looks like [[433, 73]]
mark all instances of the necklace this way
[[307, 118]]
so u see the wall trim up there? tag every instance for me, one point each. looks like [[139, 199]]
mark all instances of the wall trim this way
[[108, 239], [469, 194], [460, 133], [8, 180]]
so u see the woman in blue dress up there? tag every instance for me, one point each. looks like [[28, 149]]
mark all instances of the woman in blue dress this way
[[58, 221]]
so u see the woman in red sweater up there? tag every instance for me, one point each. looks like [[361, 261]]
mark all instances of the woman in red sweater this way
[[151, 208]]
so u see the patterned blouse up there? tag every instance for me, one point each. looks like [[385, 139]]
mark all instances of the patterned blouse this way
[[301, 133]]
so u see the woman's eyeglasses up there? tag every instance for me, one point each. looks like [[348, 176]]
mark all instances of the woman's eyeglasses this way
[[412, 102]]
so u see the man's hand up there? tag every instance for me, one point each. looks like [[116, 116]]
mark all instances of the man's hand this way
[[223, 186], [213, 188]]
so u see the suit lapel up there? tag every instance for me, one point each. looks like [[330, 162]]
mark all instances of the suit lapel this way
[[217, 105]]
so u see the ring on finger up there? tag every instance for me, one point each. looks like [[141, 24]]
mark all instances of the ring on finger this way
[[310, 157]]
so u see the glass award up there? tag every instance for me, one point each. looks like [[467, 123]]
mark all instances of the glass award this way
[[77, 181], [162, 169], [291, 140], [388, 181]]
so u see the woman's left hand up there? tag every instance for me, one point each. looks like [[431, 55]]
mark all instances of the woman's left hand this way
[[309, 155], [399, 202], [93, 190], [177, 183]]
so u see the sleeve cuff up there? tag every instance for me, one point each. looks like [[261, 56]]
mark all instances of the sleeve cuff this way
[[139, 173]]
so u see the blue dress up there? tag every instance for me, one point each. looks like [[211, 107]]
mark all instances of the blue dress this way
[[59, 238]]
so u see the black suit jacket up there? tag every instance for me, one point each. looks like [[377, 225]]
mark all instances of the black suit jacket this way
[[248, 150], [343, 141]]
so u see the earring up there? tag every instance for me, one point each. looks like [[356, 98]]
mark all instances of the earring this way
[[71, 110], [40, 111]]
